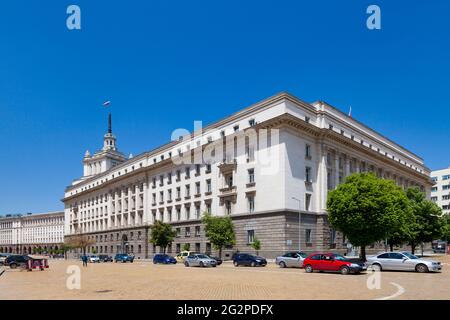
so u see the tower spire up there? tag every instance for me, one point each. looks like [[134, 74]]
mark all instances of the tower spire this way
[[109, 123]]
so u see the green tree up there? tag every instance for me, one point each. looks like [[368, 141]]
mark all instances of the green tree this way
[[429, 223], [186, 247], [162, 234], [367, 209], [256, 245], [219, 231]]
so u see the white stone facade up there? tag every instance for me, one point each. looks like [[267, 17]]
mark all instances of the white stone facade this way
[[22, 233], [440, 192], [293, 154]]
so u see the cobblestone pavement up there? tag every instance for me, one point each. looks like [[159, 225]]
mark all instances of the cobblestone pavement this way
[[143, 280]]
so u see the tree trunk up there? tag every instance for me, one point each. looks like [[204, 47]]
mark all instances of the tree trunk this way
[[220, 253], [362, 254], [421, 248], [164, 250], [413, 247], [391, 246]]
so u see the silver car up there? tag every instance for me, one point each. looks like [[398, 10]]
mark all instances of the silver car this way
[[291, 259], [402, 261], [199, 260]]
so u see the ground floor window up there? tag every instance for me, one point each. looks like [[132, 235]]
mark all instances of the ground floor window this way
[[178, 248], [197, 247], [250, 236], [308, 236]]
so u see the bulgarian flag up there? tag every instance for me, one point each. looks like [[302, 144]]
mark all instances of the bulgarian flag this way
[[106, 103]]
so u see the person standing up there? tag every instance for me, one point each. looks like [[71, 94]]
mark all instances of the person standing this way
[[85, 259]]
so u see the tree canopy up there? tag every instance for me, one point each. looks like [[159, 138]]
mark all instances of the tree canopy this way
[[367, 209], [219, 231], [162, 234]]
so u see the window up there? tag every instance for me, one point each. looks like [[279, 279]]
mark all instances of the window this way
[[251, 203], [208, 185], [308, 176], [178, 248], [188, 212], [251, 175], [250, 236], [446, 177], [169, 195], [188, 191], [395, 255], [197, 247], [197, 169], [178, 232], [178, 175], [434, 179], [178, 193], [228, 207], [308, 236], [154, 183], [236, 128], [434, 189], [187, 232], [197, 231], [169, 178], [446, 197], [197, 212], [161, 180], [208, 168], [251, 122], [188, 172], [446, 187], [435, 198], [153, 199], [332, 236], [197, 188], [178, 214], [161, 196], [307, 151], [208, 208], [307, 201], [307, 119]]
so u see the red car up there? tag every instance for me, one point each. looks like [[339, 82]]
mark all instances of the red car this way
[[332, 262]]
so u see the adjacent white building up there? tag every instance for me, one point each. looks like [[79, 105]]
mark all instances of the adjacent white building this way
[[23, 233], [269, 167], [440, 191]]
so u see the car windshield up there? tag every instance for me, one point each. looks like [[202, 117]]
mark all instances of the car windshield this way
[[409, 255], [202, 256], [302, 254]]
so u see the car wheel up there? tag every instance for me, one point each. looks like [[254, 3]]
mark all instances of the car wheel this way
[[345, 270], [421, 268], [282, 264], [309, 269], [253, 264], [186, 264], [376, 267], [13, 265], [236, 264]]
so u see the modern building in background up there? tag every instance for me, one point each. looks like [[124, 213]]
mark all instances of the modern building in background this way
[[269, 167], [25, 234], [440, 191]]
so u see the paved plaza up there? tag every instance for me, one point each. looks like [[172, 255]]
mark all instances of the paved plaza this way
[[143, 280]]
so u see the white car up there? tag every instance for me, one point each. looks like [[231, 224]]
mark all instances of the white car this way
[[94, 259], [402, 261]]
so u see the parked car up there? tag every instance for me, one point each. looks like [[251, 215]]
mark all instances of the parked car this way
[[245, 259], [332, 262], [199, 260], [182, 255], [3, 257], [218, 260], [14, 261], [94, 259], [291, 259], [164, 259], [105, 258], [402, 261], [123, 257]]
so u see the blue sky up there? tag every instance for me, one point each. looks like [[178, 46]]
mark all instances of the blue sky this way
[[164, 64]]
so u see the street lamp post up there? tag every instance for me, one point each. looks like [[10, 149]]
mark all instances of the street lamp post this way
[[299, 226]]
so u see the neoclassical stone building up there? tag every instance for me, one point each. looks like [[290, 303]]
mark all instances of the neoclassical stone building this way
[[23, 234], [269, 167]]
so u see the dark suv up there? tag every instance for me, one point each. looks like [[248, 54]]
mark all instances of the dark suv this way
[[105, 258], [15, 261], [123, 257], [245, 259]]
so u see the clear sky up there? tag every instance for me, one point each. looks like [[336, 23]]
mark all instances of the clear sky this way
[[166, 63]]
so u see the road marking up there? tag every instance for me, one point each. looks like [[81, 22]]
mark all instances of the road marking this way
[[399, 292]]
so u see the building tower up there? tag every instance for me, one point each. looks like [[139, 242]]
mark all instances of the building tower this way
[[109, 156]]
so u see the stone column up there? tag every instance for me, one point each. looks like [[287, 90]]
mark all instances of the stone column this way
[[322, 178], [346, 166], [336, 169]]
